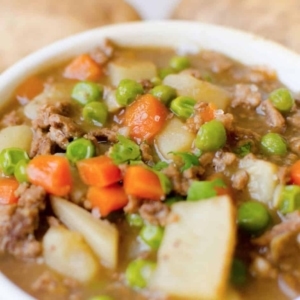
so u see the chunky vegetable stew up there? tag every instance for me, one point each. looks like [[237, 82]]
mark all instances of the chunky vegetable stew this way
[[144, 174]]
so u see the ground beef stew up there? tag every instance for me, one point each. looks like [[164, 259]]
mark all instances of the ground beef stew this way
[[144, 174]]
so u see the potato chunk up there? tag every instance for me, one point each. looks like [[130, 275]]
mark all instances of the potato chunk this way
[[131, 69], [51, 94], [111, 101], [173, 138], [101, 236], [187, 85], [263, 178], [19, 136], [195, 256], [67, 253]]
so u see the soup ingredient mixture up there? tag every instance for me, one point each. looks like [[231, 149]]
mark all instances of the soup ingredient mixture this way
[[143, 174]]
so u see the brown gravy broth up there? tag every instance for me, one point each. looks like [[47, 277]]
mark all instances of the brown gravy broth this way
[[213, 68]]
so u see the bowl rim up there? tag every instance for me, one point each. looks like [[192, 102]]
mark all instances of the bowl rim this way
[[160, 33], [274, 55]]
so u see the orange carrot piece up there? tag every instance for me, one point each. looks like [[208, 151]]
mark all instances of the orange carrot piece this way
[[83, 67], [52, 173], [208, 112], [107, 199], [295, 172], [145, 117], [28, 89], [8, 187], [142, 183], [99, 171]]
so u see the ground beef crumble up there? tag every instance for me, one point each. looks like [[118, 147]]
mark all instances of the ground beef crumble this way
[[179, 182], [195, 121], [242, 136], [50, 283], [255, 75], [53, 128], [206, 158], [294, 144], [155, 212], [41, 143], [246, 95], [133, 205], [294, 119], [280, 253], [240, 180], [146, 153], [222, 160], [273, 116], [62, 130], [216, 62], [226, 118], [291, 223], [147, 85], [19, 221], [103, 134], [103, 54], [11, 119]]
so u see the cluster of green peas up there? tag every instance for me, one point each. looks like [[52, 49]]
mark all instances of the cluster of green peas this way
[[13, 161], [129, 89], [89, 94], [252, 217], [273, 143], [211, 136], [139, 271]]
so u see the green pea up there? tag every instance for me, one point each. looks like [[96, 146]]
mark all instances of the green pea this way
[[238, 275], [289, 199], [282, 100], [80, 149], [152, 235], [139, 272], [86, 91], [9, 158], [253, 217], [125, 151], [127, 91], [211, 136], [96, 113], [201, 190], [20, 172], [183, 106], [164, 72], [164, 93], [135, 220], [179, 63], [273, 144], [102, 297]]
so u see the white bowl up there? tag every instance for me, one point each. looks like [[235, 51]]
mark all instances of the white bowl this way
[[191, 36]]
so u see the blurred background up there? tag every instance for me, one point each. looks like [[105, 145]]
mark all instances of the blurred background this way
[[26, 26]]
